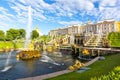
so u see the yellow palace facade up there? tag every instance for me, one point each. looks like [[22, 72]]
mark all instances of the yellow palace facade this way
[[89, 34], [102, 27]]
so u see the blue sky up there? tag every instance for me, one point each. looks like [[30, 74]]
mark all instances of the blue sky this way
[[52, 14]]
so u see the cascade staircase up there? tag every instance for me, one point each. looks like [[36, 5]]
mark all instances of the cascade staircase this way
[[95, 41], [65, 39], [89, 41], [58, 40]]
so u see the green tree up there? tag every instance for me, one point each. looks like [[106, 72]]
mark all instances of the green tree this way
[[113, 36], [114, 39], [45, 38], [2, 35], [22, 33], [35, 34], [12, 34]]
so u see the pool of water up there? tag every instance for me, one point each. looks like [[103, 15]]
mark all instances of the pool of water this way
[[48, 63]]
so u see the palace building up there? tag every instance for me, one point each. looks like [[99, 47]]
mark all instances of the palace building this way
[[100, 28], [70, 30]]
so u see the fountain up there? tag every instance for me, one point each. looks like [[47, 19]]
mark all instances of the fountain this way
[[7, 67], [14, 70], [33, 67], [28, 52], [27, 41], [57, 54], [45, 58], [44, 52]]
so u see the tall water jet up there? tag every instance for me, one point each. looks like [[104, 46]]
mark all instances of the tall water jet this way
[[28, 33], [28, 52]]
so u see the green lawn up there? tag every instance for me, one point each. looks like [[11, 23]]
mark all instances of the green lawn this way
[[97, 69], [6, 44], [20, 45], [10, 44]]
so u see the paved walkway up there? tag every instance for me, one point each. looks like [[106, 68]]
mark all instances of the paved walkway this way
[[56, 73], [92, 61]]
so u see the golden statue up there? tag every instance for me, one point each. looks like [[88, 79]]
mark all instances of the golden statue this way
[[37, 29], [85, 52], [76, 66]]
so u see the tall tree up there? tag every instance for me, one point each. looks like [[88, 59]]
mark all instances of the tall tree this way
[[2, 35], [22, 33], [35, 34], [44, 38], [12, 34]]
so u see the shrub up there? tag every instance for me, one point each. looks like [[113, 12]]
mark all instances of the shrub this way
[[113, 75], [114, 39]]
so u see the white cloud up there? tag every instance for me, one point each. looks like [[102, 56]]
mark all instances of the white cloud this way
[[43, 4], [70, 14], [70, 22], [3, 25], [8, 20], [19, 8], [63, 8], [85, 5], [3, 10], [38, 14], [22, 1], [7, 25], [72, 7], [60, 9], [110, 13], [108, 2], [5, 16], [109, 9]]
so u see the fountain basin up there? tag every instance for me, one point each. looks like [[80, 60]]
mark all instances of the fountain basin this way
[[28, 54], [17, 69]]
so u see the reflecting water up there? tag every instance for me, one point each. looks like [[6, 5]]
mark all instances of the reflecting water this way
[[46, 58], [7, 67], [21, 69]]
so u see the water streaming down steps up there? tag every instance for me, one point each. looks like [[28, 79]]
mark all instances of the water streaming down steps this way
[[95, 41]]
